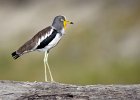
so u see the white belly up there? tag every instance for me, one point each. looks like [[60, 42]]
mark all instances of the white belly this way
[[53, 43]]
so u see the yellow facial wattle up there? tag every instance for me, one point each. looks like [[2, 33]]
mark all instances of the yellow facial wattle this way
[[65, 24]]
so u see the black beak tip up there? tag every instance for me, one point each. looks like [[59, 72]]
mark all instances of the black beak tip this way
[[71, 23]]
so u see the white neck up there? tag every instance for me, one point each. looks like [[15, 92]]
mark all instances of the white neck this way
[[63, 31]]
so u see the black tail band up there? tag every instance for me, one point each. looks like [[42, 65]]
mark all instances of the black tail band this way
[[15, 55]]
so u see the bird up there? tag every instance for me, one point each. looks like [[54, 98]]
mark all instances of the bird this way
[[44, 41]]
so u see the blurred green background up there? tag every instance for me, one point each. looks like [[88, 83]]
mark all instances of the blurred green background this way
[[102, 47]]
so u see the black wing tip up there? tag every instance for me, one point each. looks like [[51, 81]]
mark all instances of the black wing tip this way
[[15, 55]]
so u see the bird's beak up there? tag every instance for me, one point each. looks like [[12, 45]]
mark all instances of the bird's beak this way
[[67, 22]]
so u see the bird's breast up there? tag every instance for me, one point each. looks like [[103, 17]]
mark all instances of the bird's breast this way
[[52, 43], [55, 40]]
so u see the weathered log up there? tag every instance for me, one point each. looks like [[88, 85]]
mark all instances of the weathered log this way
[[12, 90]]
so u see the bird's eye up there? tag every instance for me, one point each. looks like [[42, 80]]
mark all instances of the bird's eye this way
[[61, 20]]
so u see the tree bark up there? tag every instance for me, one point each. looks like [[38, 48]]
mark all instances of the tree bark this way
[[12, 90]]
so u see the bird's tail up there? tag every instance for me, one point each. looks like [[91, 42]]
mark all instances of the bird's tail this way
[[15, 55]]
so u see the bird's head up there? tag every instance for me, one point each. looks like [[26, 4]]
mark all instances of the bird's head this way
[[60, 22]]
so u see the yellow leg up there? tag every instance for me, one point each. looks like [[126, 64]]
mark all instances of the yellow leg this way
[[46, 55], [45, 67]]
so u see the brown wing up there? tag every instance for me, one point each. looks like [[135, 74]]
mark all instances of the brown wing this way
[[31, 44]]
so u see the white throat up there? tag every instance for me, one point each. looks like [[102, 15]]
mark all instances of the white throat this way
[[63, 31]]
